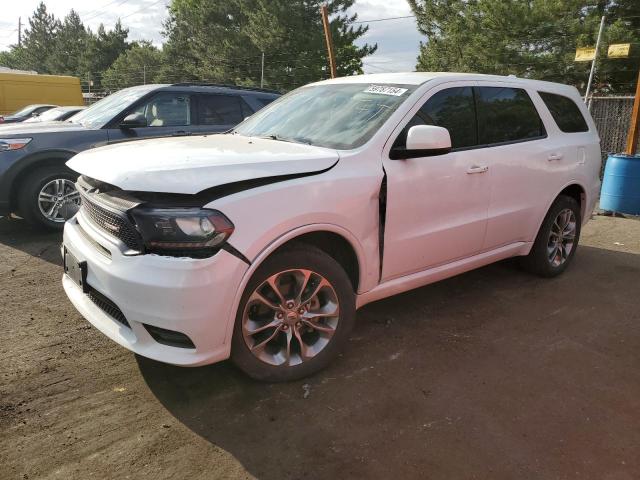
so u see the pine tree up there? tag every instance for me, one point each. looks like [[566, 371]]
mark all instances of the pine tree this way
[[224, 41], [69, 46], [38, 43], [534, 38], [139, 64], [102, 49]]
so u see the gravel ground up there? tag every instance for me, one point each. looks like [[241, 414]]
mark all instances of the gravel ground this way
[[493, 374]]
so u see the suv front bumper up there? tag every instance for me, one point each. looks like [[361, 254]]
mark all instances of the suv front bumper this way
[[191, 296]]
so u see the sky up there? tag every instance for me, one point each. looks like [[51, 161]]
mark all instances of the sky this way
[[398, 40]]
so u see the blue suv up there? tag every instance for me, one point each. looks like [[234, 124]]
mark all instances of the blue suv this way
[[34, 180]]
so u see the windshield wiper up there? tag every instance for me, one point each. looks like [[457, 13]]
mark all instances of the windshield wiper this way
[[275, 136]]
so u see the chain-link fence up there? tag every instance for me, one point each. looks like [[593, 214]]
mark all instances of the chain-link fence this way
[[612, 116]]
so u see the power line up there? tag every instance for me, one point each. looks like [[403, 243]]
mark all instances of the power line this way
[[143, 8], [99, 9], [384, 19]]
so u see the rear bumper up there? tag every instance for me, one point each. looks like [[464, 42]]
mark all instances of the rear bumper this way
[[193, 297]]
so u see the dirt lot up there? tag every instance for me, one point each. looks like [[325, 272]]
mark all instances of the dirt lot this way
[[493, 374]]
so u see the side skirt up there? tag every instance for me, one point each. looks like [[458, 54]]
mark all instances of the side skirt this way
[[435, 274]]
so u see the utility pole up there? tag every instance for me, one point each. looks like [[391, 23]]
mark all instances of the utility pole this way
[[262, 72], [144, 74], [634, 127], [19, 31], [595, 58], [329, 40]]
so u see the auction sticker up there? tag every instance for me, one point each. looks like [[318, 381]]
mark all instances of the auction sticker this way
[[385, 90]]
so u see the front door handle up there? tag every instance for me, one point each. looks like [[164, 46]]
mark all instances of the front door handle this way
[[555, 157], [180, 133], [477, 169]]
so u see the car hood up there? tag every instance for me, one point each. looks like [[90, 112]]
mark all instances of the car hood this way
[[31, 128], [189, 165]]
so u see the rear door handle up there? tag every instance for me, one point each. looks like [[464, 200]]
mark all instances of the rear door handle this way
[[555, 157], [477, 169]]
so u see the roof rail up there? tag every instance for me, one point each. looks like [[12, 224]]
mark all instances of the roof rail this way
[[223, 85]]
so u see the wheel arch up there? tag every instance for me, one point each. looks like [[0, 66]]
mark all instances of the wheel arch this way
[[578, 193], [29, 164], [323, 236], [572, 189]]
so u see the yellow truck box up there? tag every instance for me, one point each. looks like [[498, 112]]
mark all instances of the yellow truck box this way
[[18, 90]]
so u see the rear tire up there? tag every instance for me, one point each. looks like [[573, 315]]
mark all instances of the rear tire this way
[[557, 239], [43, 193], [293, 334]]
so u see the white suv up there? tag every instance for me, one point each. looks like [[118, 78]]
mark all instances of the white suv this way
[[260, 244]]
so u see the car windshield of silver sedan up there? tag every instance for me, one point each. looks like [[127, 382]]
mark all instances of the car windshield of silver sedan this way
[[101, 112], [341, 116]]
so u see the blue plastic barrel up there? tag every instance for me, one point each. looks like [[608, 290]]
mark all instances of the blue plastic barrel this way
[[621, 184]]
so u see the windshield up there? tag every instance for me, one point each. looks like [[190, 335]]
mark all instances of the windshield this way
[[341, 116], [47, 116], [101, 112], [25, 111]]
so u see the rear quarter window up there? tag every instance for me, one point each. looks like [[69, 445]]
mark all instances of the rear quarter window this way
[[565, 112], [506, 115]]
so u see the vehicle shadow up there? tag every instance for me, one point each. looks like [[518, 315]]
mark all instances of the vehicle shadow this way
[[425, 381], [18, 234]]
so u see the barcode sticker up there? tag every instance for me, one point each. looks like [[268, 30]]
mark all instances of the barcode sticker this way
[[385, 90]]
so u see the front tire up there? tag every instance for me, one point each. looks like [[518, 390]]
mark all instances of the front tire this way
[[294, 317], [557, 239], [43, 195]]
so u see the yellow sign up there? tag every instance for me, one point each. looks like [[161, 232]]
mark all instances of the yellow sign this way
[[619, 50], [585, 54]]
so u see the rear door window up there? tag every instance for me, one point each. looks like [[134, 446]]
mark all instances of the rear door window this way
[[565, 112], [451, 108], [220, 110], [167, 109], [506, 115]]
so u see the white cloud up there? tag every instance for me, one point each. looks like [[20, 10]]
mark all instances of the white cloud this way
[[398, 40]]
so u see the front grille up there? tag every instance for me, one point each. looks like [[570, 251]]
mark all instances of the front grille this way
[[107, 306], [112, 223]]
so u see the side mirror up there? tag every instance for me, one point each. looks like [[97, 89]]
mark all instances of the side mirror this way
[[134, 120], [424, 141]]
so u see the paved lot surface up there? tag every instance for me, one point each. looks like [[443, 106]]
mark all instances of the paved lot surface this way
[[490, 375]]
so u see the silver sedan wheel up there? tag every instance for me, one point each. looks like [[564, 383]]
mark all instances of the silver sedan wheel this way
[[291, 317], [562, 237], [54, 195]]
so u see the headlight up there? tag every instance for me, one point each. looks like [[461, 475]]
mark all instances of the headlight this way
[[13, 143], [183, 231]]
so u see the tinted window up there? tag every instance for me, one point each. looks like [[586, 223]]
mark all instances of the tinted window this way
[[453, 109], [506, 115], [565, 112], [220, 110], [167, 110]]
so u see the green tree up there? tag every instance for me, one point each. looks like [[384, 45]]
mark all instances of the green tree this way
[[102, 49], [532, 38], [70, 43], [38, 41], [224, 41], [140, 64]]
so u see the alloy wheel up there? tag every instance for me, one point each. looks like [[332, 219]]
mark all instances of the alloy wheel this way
[[54, 195], [562, 237], [291, 317]]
